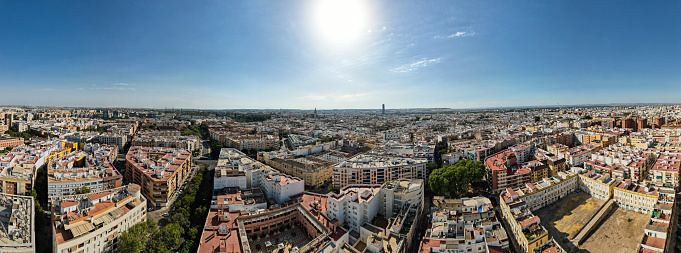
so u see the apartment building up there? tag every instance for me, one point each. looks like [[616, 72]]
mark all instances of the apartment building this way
[[118, 140], [314, 171], [557, 149], [80, 168], [280, 187], [245, 141], [394, 195], [159, 171], [525, 227], [17, 216], [230, 231], [235, 199], [370, 169], [597, 184], [638, 198], [166, 139], [397, 203], [236, 169], [504, 171], [93, 222], [354, 205], [658, 235], [554, 163], [19, 167], [578, 155], [548, 190], [6, 142], [665, 171], [464, 225]]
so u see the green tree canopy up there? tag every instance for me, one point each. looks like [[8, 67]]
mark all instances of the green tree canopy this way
[[455, 180]]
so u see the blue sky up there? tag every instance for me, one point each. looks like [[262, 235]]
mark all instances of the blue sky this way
[[284, 54]]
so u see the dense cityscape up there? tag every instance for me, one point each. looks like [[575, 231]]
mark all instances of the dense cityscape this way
[[340, 126], [556, 179]]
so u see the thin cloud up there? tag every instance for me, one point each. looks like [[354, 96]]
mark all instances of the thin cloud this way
[[416, 65], [351, 97], [461, 34], [113, 86], [456, 35], [315, 97]]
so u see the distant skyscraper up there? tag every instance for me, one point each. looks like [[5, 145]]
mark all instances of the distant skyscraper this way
[[383, 111]]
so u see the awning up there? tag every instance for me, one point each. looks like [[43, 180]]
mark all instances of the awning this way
[[116, 212], [81, 229]]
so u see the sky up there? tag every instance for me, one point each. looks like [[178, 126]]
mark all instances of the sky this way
[[331, 54]]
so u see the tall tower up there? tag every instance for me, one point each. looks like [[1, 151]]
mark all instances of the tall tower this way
[[315, 112], [383, 111]]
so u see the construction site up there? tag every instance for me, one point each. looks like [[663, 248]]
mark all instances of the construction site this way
[[619, 230]]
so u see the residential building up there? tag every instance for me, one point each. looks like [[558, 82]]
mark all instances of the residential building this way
[[166, 139], [159, 171], [464, 225], [578, 155], [91, 169], [6, 142], [369, 169], [118, 140], [280, 187], [234, 199], [18, 168], [314, 171], [597, 184], [93, 222], [525, 227], [548, 190], [665, 171], [503, 171]]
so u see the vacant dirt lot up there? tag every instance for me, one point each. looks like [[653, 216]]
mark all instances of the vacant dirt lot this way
[[617, 233], [568, 215]]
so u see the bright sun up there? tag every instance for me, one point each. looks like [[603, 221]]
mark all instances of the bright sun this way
[[340, 21]]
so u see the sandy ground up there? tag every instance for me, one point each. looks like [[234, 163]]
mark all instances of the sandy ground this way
[[567, 216], [617, 233]]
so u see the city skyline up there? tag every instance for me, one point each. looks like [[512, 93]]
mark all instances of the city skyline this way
[[350, 55]]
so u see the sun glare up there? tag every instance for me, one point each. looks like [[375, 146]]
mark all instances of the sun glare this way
[[340, 21]]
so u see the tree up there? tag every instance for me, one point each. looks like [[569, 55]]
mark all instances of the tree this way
[[456, 179], [83, 190], [133, 239], [431, 167], [170, 235], [537, 118]]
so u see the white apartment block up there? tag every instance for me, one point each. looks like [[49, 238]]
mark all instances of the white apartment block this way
[[281, 187], [92, 222], [236, 169], [548, 190], [113, 139], [354, 205], [370, 169], [395, 195]]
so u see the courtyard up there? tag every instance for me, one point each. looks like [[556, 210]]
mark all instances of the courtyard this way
[[293, 237]]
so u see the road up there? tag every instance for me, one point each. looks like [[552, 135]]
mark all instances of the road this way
[[157, 214]]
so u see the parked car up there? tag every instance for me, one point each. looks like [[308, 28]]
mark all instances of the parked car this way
[[166, 214]]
